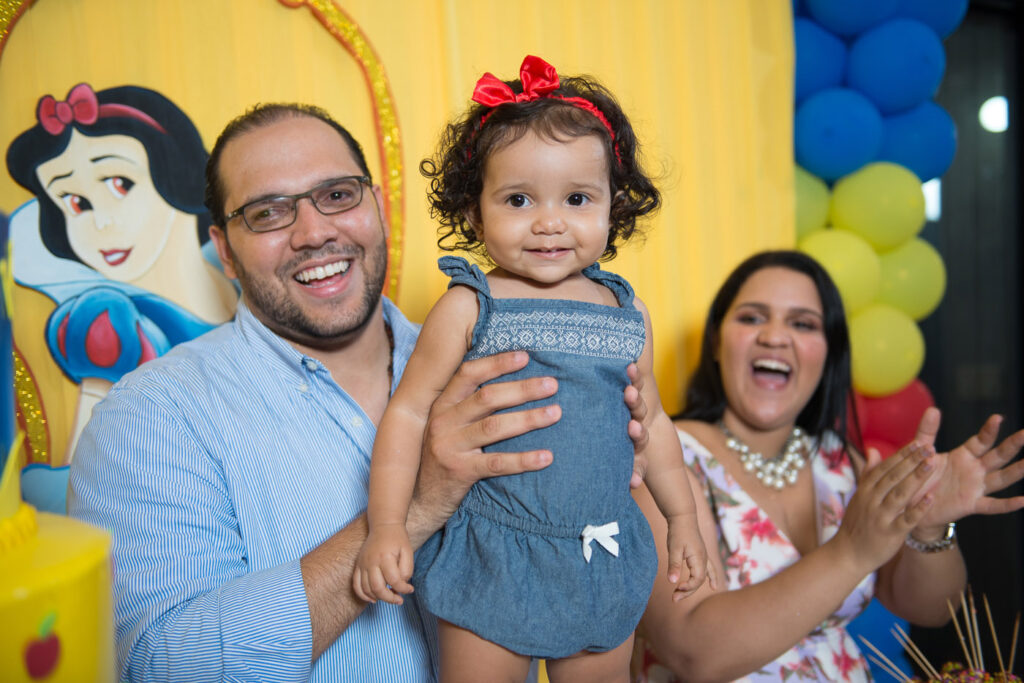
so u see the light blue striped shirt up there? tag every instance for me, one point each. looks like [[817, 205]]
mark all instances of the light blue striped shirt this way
[[216, 467]]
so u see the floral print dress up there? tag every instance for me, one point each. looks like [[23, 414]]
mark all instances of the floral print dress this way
[[754, 549]]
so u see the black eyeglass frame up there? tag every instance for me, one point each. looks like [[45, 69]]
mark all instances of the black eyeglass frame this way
[[362, 181]]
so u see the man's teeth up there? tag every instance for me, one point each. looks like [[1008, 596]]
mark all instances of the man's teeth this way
[[773, 365], [321, 272]]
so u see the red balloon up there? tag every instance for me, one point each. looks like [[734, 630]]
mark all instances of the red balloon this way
[[894, 418], [883, 447]]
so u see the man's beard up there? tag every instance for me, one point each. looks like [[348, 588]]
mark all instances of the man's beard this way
[[278, 312]]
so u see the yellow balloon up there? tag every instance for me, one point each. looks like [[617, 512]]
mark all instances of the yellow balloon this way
[[913, 278], [850, 261], [887, 350], [811, 203], [882, 202]]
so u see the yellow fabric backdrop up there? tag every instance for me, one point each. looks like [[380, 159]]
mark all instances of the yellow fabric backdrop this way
[[707, 85]]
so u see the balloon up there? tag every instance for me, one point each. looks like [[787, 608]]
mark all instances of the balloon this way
[[882, 202], [847, 18], [943, 16], [894, 418], [820, 58], [897, 65], [887, 349], [836, 131], [811, 203], [923, 139], [850, 261], [913, 278]]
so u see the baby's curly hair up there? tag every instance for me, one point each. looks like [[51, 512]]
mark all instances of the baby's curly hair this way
[[456, 171]]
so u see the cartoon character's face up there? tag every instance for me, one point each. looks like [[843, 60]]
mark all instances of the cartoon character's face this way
[[117, 222]]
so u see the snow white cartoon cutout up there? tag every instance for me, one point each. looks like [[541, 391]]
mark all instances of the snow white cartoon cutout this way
[[115, 238]]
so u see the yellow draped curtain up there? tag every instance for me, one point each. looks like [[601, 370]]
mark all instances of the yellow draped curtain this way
[[706, 83]]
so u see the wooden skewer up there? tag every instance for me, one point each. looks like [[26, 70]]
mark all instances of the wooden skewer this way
[[1013, 647], [895, 673], [960, 635], [916, 653], [980, 657], [973, 664], [995, 640], [888, 666]]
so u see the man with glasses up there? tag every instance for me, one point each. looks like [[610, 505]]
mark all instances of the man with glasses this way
[[232, 472]]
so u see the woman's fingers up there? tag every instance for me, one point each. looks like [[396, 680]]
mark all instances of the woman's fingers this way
[[980, 444], [928, 428], [889, 486], [1003, 453]]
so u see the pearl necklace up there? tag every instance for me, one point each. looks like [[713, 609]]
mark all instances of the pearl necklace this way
[[775, 472]]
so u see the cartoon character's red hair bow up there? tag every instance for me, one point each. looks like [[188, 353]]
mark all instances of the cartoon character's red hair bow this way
[[81, 106]]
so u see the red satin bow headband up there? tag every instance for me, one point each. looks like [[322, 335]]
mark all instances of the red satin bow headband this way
[[82, 107], [539, 81]]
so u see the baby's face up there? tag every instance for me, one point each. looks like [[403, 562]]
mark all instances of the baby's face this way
[[545, 206]]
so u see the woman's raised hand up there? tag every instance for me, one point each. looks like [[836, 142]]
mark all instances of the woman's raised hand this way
[[965, 477]]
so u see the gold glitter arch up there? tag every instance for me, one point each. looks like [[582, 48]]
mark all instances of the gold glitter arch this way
[[30, 413], [10, 10], [389, 145]]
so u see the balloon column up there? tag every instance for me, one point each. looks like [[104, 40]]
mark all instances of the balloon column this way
[[867, 135]]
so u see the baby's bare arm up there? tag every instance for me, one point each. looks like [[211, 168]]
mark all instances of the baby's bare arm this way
[[396, 450], [385, 562], [666, 480]]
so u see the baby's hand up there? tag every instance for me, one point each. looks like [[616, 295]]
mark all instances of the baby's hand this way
[[688, 563], [384, 565]]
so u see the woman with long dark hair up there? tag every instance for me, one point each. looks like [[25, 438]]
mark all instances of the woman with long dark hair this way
[[807, 529]]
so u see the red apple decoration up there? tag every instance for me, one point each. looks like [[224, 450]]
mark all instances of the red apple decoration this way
[[42, 654]]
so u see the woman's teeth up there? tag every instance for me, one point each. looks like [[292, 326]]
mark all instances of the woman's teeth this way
[[772, 365]]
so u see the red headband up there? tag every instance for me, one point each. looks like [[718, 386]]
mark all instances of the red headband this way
[[82, 107], [539, 81]]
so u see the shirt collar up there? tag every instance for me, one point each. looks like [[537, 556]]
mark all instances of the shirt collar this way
[[268, 344]]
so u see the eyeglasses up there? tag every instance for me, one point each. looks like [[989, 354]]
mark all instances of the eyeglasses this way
[[274, 213]]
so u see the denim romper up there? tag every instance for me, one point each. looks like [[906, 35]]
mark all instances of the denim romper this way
[[552, 562]]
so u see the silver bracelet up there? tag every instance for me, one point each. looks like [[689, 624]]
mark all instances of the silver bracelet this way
[[947, 541]]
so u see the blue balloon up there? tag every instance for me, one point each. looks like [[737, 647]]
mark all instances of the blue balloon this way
[[850, 17], [820, 58], [898, 65], [836, 131], [943, 16], [875, 624], [923, 139]]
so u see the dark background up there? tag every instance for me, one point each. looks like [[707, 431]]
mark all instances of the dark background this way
[[973, 341]]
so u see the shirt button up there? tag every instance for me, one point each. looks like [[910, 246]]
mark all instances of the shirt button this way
[[310, 364], [357, 421], [304, 387]]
